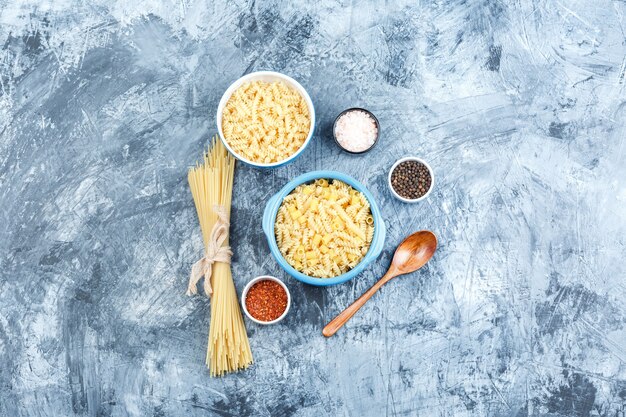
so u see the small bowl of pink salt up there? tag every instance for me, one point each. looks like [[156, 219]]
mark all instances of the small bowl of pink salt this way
[[356, 130]]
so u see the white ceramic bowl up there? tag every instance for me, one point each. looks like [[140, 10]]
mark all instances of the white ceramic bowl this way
[[244, 294], [432, 179], [268, 76]]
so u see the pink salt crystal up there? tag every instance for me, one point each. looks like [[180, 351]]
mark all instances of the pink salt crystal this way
[[356, 131]]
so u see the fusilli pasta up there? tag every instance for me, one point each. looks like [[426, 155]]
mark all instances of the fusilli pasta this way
[[324, 229], [265, 122]]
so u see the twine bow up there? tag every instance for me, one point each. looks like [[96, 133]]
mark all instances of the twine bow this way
[[214, 252]]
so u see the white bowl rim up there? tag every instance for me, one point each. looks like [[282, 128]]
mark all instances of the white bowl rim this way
[[411, 158], [235, 85], [249, 285]]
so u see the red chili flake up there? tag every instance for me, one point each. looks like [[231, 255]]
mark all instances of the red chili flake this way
[[266, 300]]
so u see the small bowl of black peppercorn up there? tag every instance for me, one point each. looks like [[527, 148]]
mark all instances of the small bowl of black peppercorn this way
[[411, 179]]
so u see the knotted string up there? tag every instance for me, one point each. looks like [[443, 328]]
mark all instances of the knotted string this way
[[214, 252]]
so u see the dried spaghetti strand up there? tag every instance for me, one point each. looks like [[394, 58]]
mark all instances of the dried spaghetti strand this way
[[211, 184]]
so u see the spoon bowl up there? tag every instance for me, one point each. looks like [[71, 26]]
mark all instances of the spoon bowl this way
[[412, 254]]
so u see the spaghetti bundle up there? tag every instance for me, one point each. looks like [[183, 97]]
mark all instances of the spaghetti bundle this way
[[211, 185]]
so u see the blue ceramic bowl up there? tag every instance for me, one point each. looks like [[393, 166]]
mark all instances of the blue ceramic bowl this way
[[268, 76], [269, 218]]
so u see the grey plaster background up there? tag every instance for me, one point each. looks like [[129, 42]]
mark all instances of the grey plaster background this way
[[518, 105]]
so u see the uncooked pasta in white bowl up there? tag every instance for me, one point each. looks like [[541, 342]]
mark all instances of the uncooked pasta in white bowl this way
[[265, 119]]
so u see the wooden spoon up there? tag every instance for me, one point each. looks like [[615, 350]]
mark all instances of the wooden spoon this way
[[411, 255]]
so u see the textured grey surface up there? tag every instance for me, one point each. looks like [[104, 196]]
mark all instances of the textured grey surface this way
[[519, 106]]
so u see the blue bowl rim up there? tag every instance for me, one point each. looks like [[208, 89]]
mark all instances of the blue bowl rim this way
[[369, 256]]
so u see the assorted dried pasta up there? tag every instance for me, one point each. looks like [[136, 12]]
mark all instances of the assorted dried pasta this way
[[324, 229], [265, 122]]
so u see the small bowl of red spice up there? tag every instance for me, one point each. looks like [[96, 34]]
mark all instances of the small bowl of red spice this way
[[266, 300]]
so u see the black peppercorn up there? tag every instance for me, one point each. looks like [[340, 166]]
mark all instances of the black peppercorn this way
[[411, 179]]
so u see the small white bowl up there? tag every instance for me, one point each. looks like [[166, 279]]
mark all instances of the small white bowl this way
[[267, 76], [407, 200], [244, 294]]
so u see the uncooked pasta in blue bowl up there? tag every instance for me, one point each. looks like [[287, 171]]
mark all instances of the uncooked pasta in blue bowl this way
[[324, 228]]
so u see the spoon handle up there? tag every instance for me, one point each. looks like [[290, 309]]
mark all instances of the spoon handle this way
[[341, 319]]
